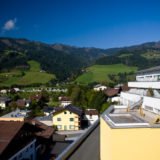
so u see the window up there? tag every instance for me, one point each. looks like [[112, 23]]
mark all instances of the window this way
[[157, 111], [71, 119], [71, 127], [65, 112], [58, 119], [149, 108], [59, 126]]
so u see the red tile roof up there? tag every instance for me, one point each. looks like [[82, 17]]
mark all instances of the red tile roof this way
[[91, 112], [111, 92], [44, 132]]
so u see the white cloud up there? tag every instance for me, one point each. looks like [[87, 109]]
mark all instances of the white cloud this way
[[10, 25]]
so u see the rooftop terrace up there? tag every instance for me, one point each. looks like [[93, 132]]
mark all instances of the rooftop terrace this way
[[122, 117]]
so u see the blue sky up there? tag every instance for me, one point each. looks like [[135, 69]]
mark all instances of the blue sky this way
[[88, 23]]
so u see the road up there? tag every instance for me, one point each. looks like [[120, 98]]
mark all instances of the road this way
[[90, 148]]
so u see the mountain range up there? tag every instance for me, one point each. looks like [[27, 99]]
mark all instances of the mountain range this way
[[66, 62]]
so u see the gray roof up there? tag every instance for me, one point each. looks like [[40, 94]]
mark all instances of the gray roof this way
[[59, 147], [149, 70], [90, 147], [70, 108], [5, 99]]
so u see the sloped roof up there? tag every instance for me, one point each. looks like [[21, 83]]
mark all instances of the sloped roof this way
[[8, 130], [91, 112], [149, 70], [111, 92], [44, 132], [74, 109], [4, 99], [70, 108]]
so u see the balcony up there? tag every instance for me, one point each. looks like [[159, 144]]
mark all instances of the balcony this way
[[154, 85]]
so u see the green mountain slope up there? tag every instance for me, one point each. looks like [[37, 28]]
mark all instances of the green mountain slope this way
[[34, 75], [100, 73], [65, 63], [142, 56]]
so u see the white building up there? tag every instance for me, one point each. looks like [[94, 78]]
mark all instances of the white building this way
[[138, 95], [99, 87], [148, 78], [64, 101], [4, 102], [3, 91], [91, 115]]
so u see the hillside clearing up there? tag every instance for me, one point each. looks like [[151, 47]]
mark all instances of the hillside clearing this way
[[99, 73], [33, 76]]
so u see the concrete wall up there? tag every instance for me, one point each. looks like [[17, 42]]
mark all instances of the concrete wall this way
[[65, 122], [154, 85], [129, 144]]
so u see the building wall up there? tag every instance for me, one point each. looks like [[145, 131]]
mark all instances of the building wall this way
[[65, 103], [28, 152], [2, 105], [129, 144], [100, 88], [150, 102], [11, 119], [129, 98], [65, 122], [148, 77], [154, 85], [91, 119]]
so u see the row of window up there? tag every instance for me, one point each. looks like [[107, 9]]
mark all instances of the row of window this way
[[65, 127], [70, 119], [151, 109]]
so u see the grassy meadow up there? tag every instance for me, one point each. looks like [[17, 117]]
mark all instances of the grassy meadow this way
[[26, 77], [99, 73]]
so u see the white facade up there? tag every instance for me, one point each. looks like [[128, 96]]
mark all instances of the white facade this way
[[65, 103], [28, 152], [100, 88], [129, 98], [148, 77], [115, 99], [151, 104], [154, 85], [3, 91], [91, 116], [2, 104]]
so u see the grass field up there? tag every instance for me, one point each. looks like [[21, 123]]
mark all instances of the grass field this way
[[99, 73], [32, 76]]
